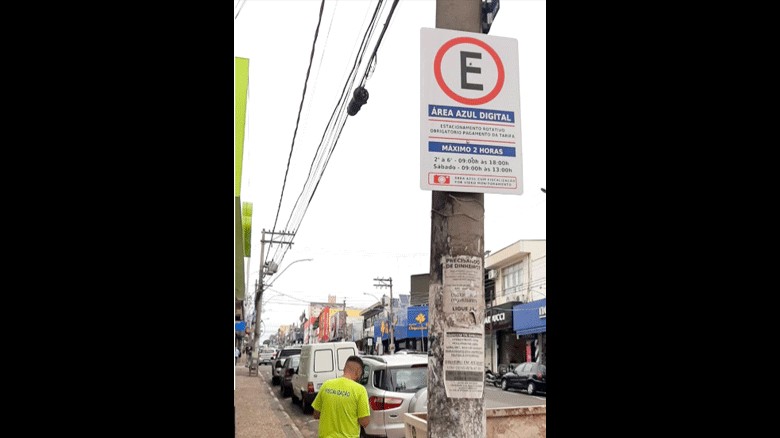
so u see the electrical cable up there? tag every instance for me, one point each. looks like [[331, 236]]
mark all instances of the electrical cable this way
[[300, 108], [376, 48], [338, 114], [239, 9]]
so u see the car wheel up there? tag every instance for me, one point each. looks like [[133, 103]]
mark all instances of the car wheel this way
[[293, 398], [305, 406], [530, 388], [503, 385]]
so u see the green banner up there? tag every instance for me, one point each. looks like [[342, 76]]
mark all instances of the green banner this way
[[238, 248], [246, 222], [241, 87]]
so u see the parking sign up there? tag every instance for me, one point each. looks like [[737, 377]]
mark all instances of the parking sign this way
[[470, 113]]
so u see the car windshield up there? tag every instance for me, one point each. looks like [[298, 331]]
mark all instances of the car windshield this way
[[409, 379]]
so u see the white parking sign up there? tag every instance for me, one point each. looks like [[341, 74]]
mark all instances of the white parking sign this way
[[470, 113]]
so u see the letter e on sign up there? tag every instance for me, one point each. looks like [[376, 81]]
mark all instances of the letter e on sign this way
[[461, 52]]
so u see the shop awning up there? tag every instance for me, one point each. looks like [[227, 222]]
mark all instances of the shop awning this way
[[530, 331], [530, 318]]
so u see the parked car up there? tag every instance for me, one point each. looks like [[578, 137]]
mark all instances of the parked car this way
[[276, 364], [504, 368], [267, 355], [410, 352], [288, 369], [530, 376], [392, 382], [318, 363]]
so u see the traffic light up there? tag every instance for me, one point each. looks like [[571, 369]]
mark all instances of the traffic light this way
[[359, 98]]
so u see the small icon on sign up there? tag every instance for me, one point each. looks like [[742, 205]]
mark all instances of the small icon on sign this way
[[441, 179]]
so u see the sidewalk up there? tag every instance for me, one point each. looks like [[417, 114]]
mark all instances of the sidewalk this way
[[258, 414]]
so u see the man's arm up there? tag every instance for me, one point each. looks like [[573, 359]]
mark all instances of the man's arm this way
[[316, 414], [363, 421]]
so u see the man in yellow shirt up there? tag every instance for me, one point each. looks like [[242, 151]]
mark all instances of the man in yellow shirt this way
[[341, 404]]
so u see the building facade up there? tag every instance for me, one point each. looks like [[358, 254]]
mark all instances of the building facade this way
[[515, 287]]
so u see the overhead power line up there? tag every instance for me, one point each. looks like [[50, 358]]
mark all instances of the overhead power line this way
[[322, 155], [300, 108], [333, 130]]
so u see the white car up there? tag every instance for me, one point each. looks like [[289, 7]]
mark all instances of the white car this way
[[318, 363], [395, 385], [266, 356]]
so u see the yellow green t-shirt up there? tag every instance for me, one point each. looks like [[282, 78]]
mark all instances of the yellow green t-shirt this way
[[341, 402]]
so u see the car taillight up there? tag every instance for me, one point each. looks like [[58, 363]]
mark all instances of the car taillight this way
[[383, 403], [310, 388]]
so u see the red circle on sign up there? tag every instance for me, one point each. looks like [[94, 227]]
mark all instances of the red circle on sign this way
[[454, 96]]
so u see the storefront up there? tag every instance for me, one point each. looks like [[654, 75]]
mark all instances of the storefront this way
[[530, 326], [500, 341], [382, 334], [240, 331]]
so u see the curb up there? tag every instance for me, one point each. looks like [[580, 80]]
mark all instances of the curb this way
[[282, 412]]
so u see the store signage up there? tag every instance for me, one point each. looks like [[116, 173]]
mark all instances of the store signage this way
[[495, 318]]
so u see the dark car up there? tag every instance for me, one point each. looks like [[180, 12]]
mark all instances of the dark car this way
[[530, 376], [504, 368], [276, 364], [288, 369]]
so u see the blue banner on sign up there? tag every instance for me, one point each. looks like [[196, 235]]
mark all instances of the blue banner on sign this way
[[418, 321], [463, 113], [382, 328], [474, 149]]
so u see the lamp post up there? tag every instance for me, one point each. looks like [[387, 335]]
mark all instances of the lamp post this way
[[382, 283], [383, 311], [388, 316], [259, 306]]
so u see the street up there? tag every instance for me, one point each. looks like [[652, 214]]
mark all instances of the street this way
[[494, 398]]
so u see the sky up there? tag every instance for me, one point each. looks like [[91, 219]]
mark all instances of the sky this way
[[368, 217]]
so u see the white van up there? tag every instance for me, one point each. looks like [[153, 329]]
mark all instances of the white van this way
[[319, 362]]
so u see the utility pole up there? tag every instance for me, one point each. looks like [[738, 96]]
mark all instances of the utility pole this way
[[456, 355], [260, 288], [392, 327]]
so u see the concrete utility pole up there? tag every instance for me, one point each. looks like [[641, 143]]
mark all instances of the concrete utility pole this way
[[259, 293], [456, 355], [344, 327], [382, 281]]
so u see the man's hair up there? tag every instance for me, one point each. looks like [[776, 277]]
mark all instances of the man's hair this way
[[358, 362], [356, 359]]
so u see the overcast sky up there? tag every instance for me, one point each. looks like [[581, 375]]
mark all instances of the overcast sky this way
[[368, 217]]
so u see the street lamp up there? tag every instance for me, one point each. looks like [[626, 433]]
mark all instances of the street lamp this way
[[285, 268], [383, 309], [259, 307]]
